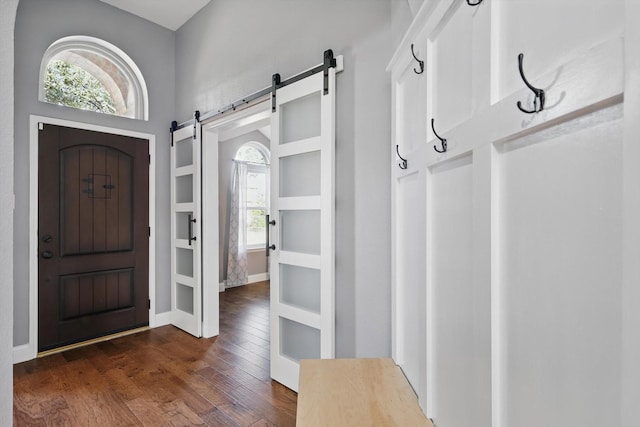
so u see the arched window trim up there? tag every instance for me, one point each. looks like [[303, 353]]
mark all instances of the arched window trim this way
[[258, 146], [114, 54]]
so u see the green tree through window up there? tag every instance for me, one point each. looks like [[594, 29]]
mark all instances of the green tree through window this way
[[72, 86]]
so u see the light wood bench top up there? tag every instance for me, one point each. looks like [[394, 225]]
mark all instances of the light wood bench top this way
[[356, 392]]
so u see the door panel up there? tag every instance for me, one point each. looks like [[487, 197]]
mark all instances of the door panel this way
[[93, 234], [302, 203], [87, 223], [88, 293]]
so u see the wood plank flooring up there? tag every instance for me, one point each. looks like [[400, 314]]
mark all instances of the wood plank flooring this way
[[163, 376]]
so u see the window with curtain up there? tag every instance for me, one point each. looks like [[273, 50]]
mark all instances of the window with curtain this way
[[255, 157], [249, 203]]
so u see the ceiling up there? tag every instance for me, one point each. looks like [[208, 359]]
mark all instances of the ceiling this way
[[170, 14]]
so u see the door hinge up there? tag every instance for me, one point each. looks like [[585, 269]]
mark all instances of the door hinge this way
[[40, 126], [149, 231], [149, 158], [149, 304]]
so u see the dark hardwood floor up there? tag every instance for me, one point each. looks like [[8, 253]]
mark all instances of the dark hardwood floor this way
[[163, 376]]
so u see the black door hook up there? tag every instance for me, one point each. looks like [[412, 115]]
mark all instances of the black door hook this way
[[474, 4], [538, 101], [403, 161], [443, 141], [421, 63]]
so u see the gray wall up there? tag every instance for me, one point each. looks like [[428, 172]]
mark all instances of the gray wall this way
[[402, 13], [38, 24], [232, 47], [7, 17], [256, 260]]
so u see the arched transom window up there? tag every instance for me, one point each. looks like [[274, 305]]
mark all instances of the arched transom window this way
[[91, 74]]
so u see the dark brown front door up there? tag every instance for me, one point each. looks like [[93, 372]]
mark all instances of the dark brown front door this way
[[93, 235]]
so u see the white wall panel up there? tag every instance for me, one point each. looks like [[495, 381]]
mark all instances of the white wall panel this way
[[524, 212], [548, 32], [409, 92], [454, 306], [560, 274], [410, 279], [451, 69]]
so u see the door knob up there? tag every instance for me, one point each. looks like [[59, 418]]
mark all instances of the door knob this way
[[47, 254]]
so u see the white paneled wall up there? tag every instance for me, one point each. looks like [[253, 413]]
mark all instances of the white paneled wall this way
[[508, 247]]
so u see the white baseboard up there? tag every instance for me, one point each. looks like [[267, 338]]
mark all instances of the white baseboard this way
[[24, 352], [162, 319], [253, 278], [260, 277]]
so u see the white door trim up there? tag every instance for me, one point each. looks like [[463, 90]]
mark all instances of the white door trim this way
[[29, 351], [226, 126]]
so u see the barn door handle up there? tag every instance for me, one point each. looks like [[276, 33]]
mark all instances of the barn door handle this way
[[191, 236], [268, 246], [538, 101], [47, 254]]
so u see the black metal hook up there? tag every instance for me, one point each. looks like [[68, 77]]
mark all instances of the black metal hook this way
[[421, 63], [538, 101], [443, 141], [474, 4], [403, 161]]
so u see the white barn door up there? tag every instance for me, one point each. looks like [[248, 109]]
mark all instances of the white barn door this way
[[523, 222], [302, 234], [186, 238]]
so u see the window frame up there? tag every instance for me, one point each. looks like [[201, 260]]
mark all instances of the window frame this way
[[253, 167], [138, 94]]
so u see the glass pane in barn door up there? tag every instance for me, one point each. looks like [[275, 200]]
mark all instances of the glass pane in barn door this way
[[186, 289], [302, 205]]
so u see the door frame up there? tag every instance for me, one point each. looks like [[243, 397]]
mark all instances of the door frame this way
[[239, 120], [29, 351]]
